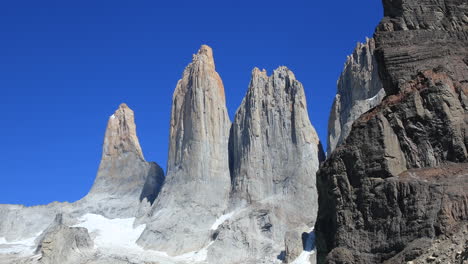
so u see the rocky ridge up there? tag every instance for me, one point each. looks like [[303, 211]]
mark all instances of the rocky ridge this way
[[397, 183]]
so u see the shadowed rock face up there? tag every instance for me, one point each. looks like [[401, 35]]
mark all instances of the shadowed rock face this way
[[274, 154], [359, 89], [399, 180], [197, 185]]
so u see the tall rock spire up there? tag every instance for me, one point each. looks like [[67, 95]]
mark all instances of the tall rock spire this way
[[274, 155], [123, 172], [359, 90], [198, 182], [271, 138]]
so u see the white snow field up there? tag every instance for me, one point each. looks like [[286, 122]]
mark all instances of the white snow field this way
[[117, 237], [24, 247]]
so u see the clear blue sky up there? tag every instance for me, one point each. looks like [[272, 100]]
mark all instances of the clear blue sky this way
[[65, 66]]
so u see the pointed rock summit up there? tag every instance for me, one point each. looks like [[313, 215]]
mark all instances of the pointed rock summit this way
[[124, 177], [274, 155], [197, 184], [121, 135], [359, 90]]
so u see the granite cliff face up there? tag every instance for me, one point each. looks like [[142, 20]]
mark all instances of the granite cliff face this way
[[359, 89], [197, 184], [398, 182], [274, 155]]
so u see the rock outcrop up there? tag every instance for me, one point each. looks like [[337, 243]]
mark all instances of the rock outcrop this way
[[398, 182], [197, 185], [63, 244], [274, 155], [359, 90], [124, 178]]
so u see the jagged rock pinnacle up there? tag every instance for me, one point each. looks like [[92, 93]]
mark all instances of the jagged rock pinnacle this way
[[274, 154], [121, 134], [123, 171]]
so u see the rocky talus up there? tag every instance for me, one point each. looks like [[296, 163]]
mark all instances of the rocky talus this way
[[63, 244], [197, 184], [359, 89], [396, 188], [274, 155]]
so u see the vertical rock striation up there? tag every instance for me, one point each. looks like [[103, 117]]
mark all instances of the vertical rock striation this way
[[274, 155], [399, 179], [197, 185], [359, 89], [124, 177]]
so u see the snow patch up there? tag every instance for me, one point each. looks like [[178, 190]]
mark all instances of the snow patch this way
[[118, 237], [304, 257], [372, 98], [111, 233], [221, 220], [112, 116], [22, 247]]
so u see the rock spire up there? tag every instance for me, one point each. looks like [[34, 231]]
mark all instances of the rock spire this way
[[274, 155], [359, 90], [197, 184]]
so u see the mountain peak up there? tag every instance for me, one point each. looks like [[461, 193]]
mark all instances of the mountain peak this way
[[121, 134]]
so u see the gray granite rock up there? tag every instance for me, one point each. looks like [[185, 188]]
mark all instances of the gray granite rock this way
[[359, 90], [124, 178], [63, 244], [274, 155], [197, 185]]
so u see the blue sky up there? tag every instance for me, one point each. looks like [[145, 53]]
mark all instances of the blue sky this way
[[65, 66]]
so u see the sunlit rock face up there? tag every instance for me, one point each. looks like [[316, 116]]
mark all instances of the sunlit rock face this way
[[197, 185], [274, 155], [124, 178], [359, 90]]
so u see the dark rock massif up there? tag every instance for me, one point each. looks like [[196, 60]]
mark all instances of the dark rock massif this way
[[399, 181]]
